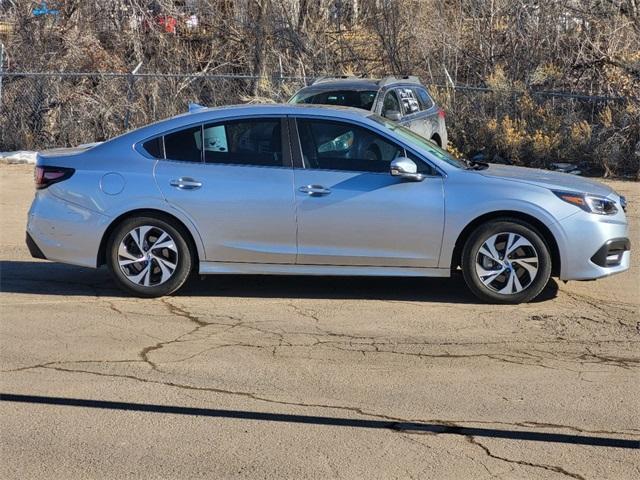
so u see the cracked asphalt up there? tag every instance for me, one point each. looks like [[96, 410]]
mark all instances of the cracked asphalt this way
[[282, 377]]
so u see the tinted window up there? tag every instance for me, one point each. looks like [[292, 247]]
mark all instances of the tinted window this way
[[409, 102], [391, 103], [154, 147], [328, 145], [347, 98], [425, 100], [184, 145], [244, 142]]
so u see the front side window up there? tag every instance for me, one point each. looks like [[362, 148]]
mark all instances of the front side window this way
[[391, 103], [184, 145], [244, 142], [330, 145]]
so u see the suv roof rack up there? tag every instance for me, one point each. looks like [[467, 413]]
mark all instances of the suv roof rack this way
[[330, 78], [393, 79]]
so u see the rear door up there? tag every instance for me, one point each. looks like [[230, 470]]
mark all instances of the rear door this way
[[414, 117], [234, 179]]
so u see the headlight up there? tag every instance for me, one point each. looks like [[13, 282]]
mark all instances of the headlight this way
[[589, 203]]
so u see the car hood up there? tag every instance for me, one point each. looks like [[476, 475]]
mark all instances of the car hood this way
[[547, 179]]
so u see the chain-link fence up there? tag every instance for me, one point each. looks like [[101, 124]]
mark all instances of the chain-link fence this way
[[47, 110], [44, 110]]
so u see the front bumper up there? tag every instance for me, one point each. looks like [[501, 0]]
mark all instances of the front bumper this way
[[594, 247], [611, 253]]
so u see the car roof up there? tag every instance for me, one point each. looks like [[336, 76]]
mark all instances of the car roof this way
[[212, 114], [325, 84]]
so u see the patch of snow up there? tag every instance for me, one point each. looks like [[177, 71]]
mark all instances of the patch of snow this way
[[21, 156]]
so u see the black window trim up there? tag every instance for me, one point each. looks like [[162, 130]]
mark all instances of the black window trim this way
[[298, 158], [287, 157]]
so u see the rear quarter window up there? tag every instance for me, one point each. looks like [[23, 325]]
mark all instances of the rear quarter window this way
[[425, 100], [154, 147]]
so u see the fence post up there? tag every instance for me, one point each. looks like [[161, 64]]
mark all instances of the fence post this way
[[130, 83], [1, 69]]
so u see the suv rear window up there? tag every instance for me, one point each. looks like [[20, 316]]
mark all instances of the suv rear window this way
[[346, 98]]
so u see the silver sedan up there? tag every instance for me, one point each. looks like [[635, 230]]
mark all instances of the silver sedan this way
[[290, 189]]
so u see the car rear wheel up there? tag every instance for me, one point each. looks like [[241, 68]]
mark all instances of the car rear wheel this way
[[149, 256], [506, 261]]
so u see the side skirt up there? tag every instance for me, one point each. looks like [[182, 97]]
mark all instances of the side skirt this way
[[217, 268]]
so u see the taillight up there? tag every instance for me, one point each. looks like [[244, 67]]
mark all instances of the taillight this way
[[45, 176], [441, 113]]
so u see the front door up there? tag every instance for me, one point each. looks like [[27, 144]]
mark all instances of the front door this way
[[234, 180], [351, 211]]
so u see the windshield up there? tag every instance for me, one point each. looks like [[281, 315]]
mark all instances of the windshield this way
[[419, 141], [345, 98]]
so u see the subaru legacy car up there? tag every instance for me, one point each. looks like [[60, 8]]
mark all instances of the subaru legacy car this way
[[400, 99], [297, 189]]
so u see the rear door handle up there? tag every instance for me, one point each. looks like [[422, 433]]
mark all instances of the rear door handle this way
[[185, 183], [315, 190]]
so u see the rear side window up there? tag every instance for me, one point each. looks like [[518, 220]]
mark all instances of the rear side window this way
[[425, 100], [184, 145], [154, 147], [244, 142]]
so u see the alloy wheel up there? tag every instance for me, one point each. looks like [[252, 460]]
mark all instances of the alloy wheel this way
[[147, 256], [507, 263]]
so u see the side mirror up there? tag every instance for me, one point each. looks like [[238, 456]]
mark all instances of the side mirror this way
[[393, 115], [405, 168]]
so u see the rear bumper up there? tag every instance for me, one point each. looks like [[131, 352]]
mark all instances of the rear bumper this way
[[60, 231], [34, 250]]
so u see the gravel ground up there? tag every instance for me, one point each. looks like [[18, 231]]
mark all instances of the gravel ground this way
[[282, 377]]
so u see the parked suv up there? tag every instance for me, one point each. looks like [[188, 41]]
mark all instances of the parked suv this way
[[401, 99]]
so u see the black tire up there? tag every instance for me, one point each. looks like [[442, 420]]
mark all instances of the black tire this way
[[475, 261], [179, 251]]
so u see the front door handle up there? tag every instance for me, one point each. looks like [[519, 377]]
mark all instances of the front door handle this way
[[315, 190], [185, 183]]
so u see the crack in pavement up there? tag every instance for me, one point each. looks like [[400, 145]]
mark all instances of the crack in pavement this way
[[553, 468]]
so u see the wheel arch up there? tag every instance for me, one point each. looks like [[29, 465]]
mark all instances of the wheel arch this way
[[535, 223], [436, 138], [102, 250]]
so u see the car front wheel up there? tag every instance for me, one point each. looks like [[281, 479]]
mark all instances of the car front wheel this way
[[149, 256], [506, 261]]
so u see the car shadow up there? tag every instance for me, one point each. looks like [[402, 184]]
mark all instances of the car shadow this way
[[317, 420], [49, 278]]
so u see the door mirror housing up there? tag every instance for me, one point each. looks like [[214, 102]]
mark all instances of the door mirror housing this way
[[393, 115], [405, 168]]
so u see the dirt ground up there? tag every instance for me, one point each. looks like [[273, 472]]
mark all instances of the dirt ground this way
[[282, 377]]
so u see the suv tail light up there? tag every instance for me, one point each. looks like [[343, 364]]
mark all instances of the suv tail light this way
[[45, 176], [441, 113]]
